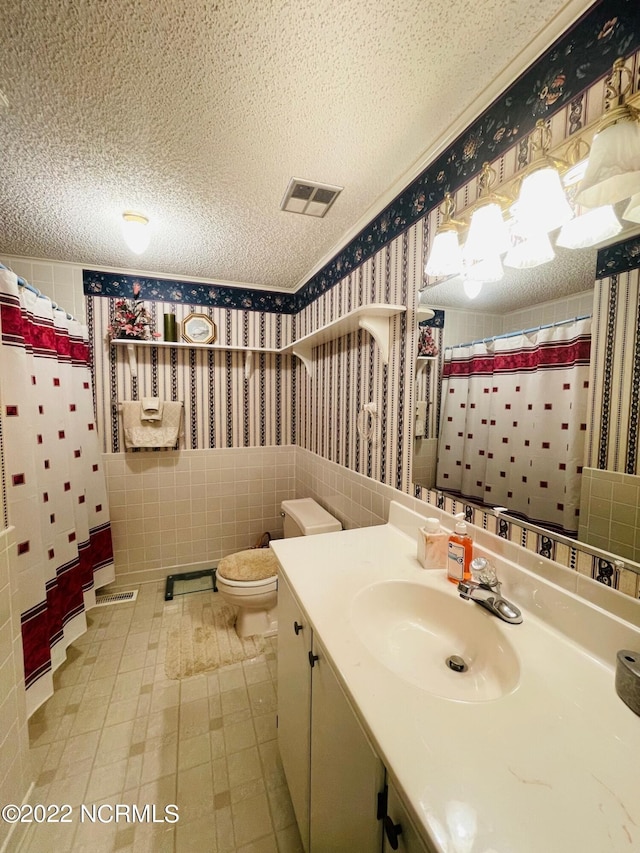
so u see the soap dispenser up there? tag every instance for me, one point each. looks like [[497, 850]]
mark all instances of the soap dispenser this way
[[459, 554], [432, 545]]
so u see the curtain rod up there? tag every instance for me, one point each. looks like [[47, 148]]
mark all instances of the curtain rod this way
[[522, 332]]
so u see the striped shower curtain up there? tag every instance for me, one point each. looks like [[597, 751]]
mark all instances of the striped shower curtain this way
[[513, 422], [54, 486]]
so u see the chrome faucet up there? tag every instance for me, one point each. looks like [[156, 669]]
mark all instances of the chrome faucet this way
[[486, 592]]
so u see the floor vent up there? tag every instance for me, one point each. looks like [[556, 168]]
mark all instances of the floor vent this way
[[116, 598], [309, 197]]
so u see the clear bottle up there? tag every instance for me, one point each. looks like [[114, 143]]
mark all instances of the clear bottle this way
[[459, 554], [432, 545]]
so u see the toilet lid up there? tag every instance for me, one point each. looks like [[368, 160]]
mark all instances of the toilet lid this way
[[255, 564]]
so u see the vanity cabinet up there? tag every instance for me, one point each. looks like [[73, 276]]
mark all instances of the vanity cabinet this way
[[294, 703], [400, 832], [333, 773]]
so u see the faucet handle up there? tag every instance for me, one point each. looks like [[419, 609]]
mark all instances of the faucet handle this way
[[484, 572]]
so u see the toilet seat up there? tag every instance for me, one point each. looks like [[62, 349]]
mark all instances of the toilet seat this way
[[240, 585], [248, 567]]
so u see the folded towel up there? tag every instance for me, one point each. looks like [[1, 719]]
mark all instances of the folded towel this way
[[146, 433], [151, 409]]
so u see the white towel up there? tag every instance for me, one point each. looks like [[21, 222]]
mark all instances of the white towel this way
[[146, 433], [421, 417], [151, 409]]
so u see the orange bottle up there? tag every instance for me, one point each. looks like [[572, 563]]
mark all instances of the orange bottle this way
[[459, 554]]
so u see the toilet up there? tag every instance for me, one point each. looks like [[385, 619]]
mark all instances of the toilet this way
[[248, 579]]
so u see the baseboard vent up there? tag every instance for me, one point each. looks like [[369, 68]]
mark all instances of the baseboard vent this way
[[116, 598]]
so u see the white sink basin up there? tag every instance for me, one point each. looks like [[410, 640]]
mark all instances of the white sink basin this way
[[413, 631]]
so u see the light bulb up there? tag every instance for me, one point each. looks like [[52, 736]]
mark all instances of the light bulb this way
[[472, 288], [488, 235], [542, 203], [445, 257]]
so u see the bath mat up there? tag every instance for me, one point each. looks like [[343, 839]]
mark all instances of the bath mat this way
[[202, 638]]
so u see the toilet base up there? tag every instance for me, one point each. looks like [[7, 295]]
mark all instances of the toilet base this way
[[249, 622]]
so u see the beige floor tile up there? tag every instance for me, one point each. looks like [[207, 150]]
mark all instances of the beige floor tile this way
[[105, 781], [251, 819], [195, 793], [123, 733], [198, 836], [166, 696], [194, 751], [193, 688], [268, 844], [265, 727], [231, 677], [158, 763], [239, 736], [234, 700], [243, 766], [224, 830], [121, 712]]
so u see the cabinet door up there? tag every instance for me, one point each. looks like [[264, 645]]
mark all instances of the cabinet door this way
[[346, 774], [400, 831], [294, 703]]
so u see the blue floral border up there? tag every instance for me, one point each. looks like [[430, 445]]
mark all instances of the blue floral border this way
[[621, 257], [582, 55], [170, 290]]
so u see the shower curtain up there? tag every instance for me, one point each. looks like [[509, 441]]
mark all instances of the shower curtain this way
[[54, 487], [514, 420]]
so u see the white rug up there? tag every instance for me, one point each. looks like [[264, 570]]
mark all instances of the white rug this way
[[201, 637]]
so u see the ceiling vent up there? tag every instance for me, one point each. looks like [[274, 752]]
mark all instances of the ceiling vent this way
[[309, 197]]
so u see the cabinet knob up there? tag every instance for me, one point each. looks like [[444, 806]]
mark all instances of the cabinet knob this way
[[297, 627], [392, 830], [312, 659]]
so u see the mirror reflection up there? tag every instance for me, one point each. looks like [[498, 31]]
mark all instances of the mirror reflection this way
[[498, 431]]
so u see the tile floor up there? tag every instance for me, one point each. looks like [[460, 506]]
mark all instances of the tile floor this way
[[118, 731]]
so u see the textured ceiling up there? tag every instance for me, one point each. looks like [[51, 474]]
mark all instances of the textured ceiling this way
[[198, 114], [570, 272]]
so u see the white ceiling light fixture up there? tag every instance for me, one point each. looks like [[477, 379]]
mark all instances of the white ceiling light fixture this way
[[445, 257], [542, 204], [488, 235], [592, 227], [135, 230], [613, 169]]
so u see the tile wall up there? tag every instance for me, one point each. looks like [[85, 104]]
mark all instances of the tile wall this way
[[610, 511], [15, 761], [181, 510]]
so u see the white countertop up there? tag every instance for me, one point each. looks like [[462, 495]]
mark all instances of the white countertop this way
[[553, 766]]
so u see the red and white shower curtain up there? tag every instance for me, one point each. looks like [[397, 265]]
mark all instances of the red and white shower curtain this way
[[514, 420], [55, 488]]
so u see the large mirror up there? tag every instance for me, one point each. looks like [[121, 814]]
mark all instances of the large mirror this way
[[523, 299]]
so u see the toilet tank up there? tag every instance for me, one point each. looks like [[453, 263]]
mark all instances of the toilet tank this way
[[305, 517]]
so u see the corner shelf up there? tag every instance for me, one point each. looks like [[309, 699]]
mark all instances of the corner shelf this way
[[374, 318]]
